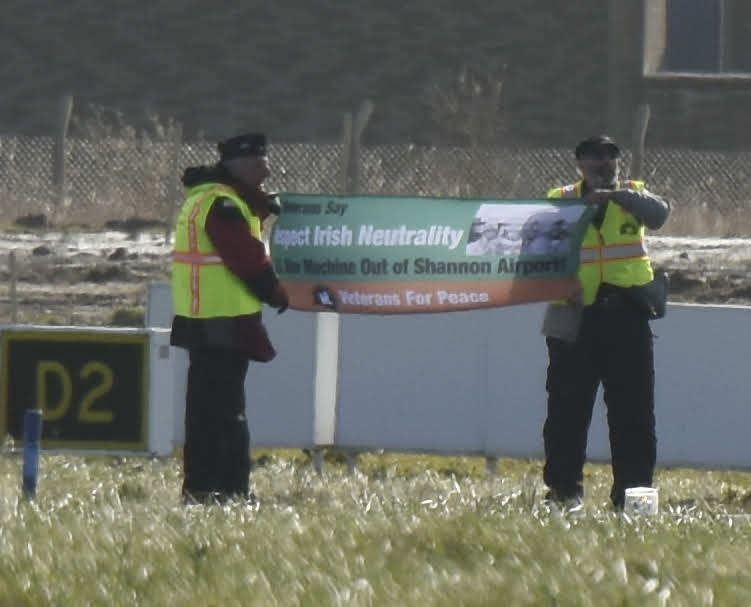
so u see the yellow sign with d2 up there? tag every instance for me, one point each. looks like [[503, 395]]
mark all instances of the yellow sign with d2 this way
[[92, 387]]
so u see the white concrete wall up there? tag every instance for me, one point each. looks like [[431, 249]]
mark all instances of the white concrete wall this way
[[474, 382]]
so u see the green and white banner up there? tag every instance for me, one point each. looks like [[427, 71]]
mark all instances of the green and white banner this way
[[391, 255]]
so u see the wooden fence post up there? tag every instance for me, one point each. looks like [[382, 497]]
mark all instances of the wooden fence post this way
[[12, 291], [358, 126], [346, 152], [174, 190], [352, 132], [639, 137]]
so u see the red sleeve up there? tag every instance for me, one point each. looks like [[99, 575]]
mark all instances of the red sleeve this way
[[243, 254]]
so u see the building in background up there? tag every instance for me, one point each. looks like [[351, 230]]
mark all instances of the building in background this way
[[696, 66]]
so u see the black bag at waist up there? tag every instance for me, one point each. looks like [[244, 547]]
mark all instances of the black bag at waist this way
[[650, 299]]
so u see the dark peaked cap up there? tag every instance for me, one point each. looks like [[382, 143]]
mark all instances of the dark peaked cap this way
[[249, 144], [596, 144]]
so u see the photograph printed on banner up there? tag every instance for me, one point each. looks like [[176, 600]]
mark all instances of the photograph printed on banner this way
[[521, 229]]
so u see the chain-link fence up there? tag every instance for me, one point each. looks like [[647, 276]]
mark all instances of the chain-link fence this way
[[114, 178]]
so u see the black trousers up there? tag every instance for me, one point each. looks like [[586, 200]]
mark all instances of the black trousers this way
[[614, 347], [216, 455]]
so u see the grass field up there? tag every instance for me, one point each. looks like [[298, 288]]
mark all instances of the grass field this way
[[401, 530]]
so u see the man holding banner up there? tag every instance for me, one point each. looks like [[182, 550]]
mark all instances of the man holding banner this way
[[602, 334], [221, 275]]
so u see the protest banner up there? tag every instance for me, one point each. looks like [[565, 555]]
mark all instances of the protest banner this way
[[391, 255]]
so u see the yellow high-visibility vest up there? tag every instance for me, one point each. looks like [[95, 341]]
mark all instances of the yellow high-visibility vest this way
[[616, 252], [202, 286]]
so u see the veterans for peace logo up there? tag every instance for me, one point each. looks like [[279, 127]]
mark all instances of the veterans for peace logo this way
[[323, 296]]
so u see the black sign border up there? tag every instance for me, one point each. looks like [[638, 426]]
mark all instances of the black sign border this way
[[7, 335]]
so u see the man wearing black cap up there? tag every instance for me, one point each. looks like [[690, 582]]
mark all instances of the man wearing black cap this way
[[602, 334], [221, 275]]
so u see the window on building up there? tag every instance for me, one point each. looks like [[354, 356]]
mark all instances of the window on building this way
[[707, 36]]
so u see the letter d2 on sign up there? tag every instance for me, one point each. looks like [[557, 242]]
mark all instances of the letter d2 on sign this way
[[91, 386]]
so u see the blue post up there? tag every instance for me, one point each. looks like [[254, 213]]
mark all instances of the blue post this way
[[32, 435]]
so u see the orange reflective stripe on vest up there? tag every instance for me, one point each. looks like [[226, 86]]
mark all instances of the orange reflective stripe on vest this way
[[198, 259], [195, 260], [203, 287], [608, 252], [195, 265], [611, 252], [624, 251]]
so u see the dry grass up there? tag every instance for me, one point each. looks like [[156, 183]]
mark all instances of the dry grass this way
[[403, 530]]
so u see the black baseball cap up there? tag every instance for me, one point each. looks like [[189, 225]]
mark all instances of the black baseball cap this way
[[596, 144], [249, 144]]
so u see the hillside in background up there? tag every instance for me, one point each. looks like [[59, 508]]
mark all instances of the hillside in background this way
[[294, 67]]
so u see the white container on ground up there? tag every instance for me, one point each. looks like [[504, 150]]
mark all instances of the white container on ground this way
[[641, 500]]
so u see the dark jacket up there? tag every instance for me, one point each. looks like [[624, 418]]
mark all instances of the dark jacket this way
[[245, 256]]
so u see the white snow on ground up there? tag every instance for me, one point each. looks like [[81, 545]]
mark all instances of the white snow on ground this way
[[85, 242]]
